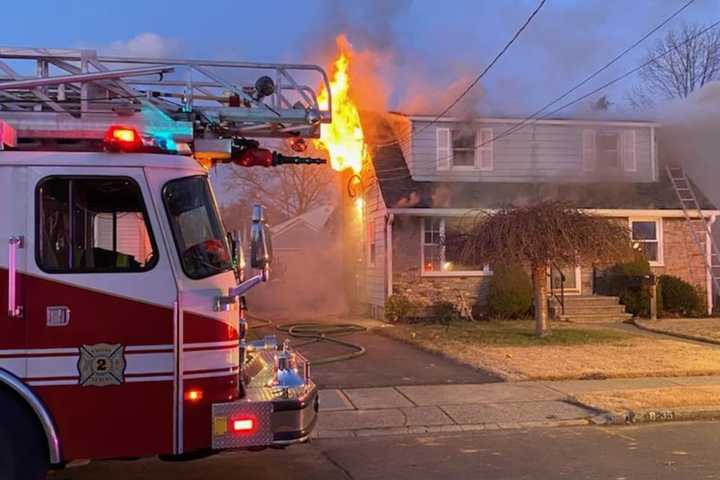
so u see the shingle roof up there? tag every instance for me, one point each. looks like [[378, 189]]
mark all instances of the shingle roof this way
[[401, 191]]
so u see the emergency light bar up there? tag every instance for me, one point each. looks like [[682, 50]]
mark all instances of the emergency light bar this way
[[127, 139]]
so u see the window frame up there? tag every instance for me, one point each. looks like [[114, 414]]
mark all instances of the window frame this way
[[144, 211], [658, 234], [172, 230], [626, 147], [618, 149], [485, 272], [477, 150], [474, 151]]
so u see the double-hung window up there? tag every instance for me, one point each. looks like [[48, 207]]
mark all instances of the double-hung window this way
[[439, 259], [465, 147], [647, 236], [609, 150], [464, 140]]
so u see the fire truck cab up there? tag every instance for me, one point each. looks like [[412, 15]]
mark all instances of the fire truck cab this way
[[124, 333]]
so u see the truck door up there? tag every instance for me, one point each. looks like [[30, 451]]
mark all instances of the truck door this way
[[100, 311], [13, 232], [209, 362]]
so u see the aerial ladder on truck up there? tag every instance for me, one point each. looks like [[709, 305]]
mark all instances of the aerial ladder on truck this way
[[206, 108], [72, 100]]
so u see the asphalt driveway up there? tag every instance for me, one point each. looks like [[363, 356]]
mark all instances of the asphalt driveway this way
[[387, 362]]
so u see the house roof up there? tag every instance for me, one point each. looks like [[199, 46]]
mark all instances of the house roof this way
[[314, 219], [620, 118], [399, 190]]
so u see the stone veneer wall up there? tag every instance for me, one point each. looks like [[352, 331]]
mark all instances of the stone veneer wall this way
[[681, 259], [423, 290]]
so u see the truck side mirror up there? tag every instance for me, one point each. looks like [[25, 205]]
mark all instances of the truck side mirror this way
[[260, 241]]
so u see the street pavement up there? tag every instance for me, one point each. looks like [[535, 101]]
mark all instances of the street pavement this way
[[660, 451]]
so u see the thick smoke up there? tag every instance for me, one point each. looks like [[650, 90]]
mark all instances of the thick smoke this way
[[691, 136]]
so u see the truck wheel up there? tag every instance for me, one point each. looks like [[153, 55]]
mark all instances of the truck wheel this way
[[23, 447]]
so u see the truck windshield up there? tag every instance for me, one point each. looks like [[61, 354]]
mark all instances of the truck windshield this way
[[196, 226]]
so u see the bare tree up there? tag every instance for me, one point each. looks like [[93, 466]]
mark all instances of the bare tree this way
[[539, 236], [692, 60], [288, 189]]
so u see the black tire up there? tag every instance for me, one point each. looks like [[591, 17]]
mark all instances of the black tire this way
[[23, 446]]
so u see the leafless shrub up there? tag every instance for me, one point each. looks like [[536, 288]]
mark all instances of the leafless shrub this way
[[541, 235]]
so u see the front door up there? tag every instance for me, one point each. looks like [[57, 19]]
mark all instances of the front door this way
[[571, 277], [100, 316]]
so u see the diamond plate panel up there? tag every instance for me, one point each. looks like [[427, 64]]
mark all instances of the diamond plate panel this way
[[226, 412]]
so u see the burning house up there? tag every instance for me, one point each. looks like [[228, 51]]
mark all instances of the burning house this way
[[408, 180], [435, 173]]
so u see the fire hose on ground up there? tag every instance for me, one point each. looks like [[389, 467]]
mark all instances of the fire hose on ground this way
[[314, 332]]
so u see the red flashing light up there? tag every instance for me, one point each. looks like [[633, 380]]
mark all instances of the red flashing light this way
[[244, 425], [123, 138], [194, 395]]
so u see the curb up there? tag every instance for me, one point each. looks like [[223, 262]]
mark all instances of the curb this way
[[410, 430], [673, 334], [661, 416]]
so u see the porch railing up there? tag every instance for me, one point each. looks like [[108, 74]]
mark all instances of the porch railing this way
[[557, 294]]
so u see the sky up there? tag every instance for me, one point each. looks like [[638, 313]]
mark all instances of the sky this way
[[426, 48]]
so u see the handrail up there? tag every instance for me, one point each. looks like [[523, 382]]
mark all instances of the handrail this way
[[561, 297], [14, 310]]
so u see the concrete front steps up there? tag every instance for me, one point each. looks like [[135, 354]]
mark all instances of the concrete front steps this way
[[590, 309]]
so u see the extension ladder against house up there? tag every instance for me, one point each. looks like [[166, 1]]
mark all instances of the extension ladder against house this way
[[699, 224], [63, 93]]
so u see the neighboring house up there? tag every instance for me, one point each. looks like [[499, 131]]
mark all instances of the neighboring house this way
[[304, 267], [302, 231], [440, 173]]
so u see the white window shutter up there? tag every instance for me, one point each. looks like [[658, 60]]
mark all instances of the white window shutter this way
[[484, 155], [589, 152], [629, 157], [444, 148]]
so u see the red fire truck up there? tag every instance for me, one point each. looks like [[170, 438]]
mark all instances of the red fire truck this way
[[124, 333]]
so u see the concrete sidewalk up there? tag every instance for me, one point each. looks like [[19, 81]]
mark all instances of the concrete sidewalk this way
[[357, 412]]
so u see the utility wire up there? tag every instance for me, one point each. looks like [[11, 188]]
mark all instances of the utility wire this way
[[532, 121], [629, 73], [539, 113], [477, 79]]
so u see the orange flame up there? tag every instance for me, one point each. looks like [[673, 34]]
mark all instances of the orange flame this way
[[343, 138]]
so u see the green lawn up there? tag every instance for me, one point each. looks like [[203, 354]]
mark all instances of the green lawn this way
[[512, 333]]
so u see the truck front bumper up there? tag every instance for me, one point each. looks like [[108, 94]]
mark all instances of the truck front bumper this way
[[267, 415]]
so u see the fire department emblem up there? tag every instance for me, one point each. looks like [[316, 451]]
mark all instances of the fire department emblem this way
[[102, 364]]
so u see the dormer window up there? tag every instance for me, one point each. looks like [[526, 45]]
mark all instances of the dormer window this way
[[604, 150], [465, 147], [608, 150]]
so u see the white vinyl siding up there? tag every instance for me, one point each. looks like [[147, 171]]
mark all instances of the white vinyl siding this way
[[371, 241], [374, 217], [542, 152], [443, 143]]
